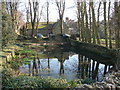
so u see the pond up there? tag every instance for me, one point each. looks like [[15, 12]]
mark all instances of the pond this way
[[62, 63]]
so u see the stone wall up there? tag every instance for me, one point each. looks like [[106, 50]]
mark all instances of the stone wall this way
[[111, 82]]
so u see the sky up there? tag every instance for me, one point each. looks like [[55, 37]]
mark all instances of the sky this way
[[70, 10]]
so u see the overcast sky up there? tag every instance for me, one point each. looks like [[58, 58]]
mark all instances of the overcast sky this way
[[70, 9]]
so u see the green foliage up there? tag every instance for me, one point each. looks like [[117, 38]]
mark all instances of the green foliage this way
[[10, 81], [8, 33]]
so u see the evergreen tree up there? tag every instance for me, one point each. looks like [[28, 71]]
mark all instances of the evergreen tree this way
[[8, 33]]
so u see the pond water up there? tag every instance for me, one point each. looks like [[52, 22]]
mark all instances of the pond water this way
[[65, 64]]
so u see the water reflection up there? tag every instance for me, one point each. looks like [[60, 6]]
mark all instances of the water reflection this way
[[65, 65], [34, 68]]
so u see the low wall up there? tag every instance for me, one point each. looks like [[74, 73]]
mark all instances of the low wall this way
[[95, 52]]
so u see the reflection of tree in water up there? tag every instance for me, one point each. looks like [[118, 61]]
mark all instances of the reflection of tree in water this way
[[29, 66], [61, 59], [34, 68], [48, 64], [88, 69], [61, 56], [61, 67]]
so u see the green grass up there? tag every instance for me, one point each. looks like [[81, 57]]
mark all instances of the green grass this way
[[41, 25]]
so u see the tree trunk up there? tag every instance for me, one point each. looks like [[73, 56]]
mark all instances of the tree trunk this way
[[33, 14], [105, 25], [88, 36], [98, 22], [47, 14], [61, 24], [79, 27], [90, 26], [82, 23], [61, 9], [110, 32], [117, 24], [93, 24], [96, 37]]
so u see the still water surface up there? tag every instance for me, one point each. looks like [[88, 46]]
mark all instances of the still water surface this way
[[65, 64]]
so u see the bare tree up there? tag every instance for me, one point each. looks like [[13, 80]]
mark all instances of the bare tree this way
[[39, 18], [98, 21], [88, 32], [34, 7], [105, 24], [93, 23], [110, 32], [82, 22], [61, 8], [117, 23], [94, 26], [47, 12], [79, 18], [90, 22], [27, 16]]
